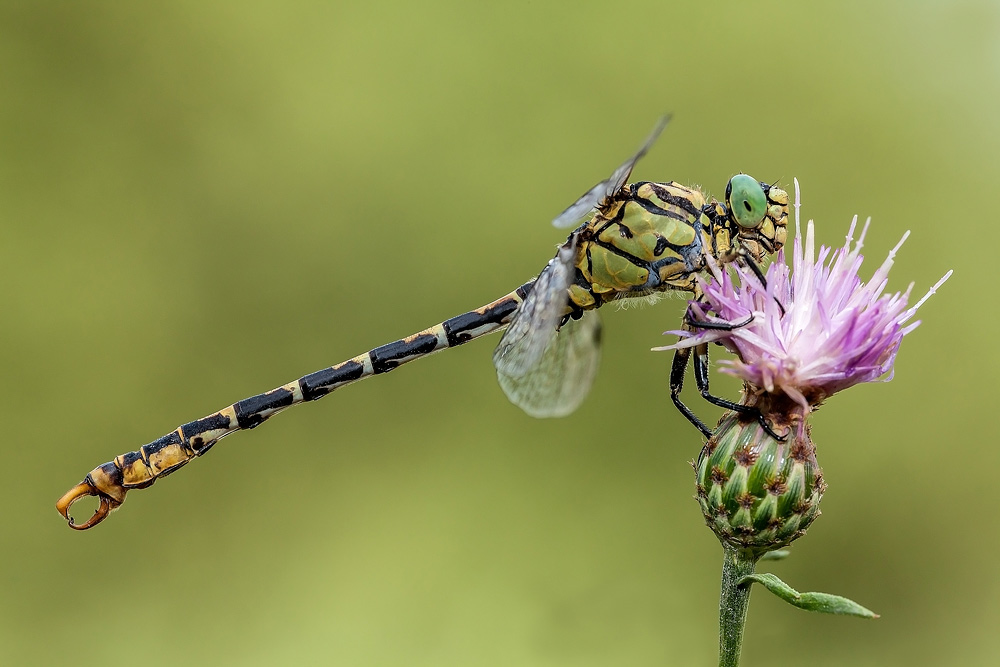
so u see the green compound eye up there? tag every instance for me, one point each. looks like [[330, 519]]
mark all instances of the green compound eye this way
[[746, 200]]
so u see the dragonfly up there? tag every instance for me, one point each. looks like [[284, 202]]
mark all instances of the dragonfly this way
[[630, 241]]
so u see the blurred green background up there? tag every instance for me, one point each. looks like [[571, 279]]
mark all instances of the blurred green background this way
[[201, 201]]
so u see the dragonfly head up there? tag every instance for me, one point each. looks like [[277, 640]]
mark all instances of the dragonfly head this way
[[757, 214]]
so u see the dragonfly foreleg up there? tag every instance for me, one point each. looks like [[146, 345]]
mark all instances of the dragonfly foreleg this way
[[759, 273], [677, 370], [701, 373]]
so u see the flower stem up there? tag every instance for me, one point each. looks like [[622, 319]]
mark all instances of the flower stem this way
[[733, 604]]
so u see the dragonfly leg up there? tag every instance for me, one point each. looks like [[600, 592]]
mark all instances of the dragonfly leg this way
[[701, 374], [701, 380], [677, 370], [716, 326], [759, 273], [680, 362]]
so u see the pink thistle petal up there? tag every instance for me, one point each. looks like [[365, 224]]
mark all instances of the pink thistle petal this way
[[831, 331]]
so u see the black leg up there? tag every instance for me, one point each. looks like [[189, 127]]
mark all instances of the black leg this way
[[756, 270], [701, 377], [715, 326], [677, 370], [701, 380], [760, 276]]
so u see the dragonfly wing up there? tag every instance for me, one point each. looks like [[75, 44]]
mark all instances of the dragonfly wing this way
[[595, 195], [537, 319], [560, 380]]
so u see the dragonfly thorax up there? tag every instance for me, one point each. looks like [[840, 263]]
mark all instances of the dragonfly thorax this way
[[654, 237], [644, 239]]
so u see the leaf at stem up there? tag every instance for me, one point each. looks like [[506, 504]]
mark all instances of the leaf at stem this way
[[821, 602]]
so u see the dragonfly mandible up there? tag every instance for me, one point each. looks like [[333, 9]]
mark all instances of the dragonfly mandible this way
[[630, 241]]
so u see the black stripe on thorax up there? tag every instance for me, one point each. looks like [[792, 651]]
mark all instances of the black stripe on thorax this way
[[604, 224], [580, 280], [248, 410], [460, 329], [693, 260], [693, 254], [693, 251], [614, 250], [319, 384], [656, 210], [391, 355], [682, 202]]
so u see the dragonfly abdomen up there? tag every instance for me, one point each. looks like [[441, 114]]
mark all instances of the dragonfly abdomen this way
[[140, 468]]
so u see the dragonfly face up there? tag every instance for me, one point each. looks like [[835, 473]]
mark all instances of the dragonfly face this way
[[755, 216]]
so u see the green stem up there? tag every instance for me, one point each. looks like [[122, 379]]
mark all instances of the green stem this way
[[733, 604]]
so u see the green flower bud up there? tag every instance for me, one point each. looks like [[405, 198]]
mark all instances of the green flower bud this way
[[758, 493]]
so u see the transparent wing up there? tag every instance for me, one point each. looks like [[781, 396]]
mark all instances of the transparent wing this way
[[595, 195], [537, 319], [560, 380]]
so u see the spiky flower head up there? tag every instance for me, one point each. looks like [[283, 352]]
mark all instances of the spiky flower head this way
[[758, 493], [818, 328], [815, 330]]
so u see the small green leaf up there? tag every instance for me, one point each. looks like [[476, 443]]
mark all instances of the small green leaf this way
[[821, 602], [778, 554]]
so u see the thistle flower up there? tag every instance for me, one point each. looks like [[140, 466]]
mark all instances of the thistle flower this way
[[815, 330]]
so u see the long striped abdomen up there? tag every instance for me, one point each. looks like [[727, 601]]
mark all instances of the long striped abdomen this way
[[139, 469]]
